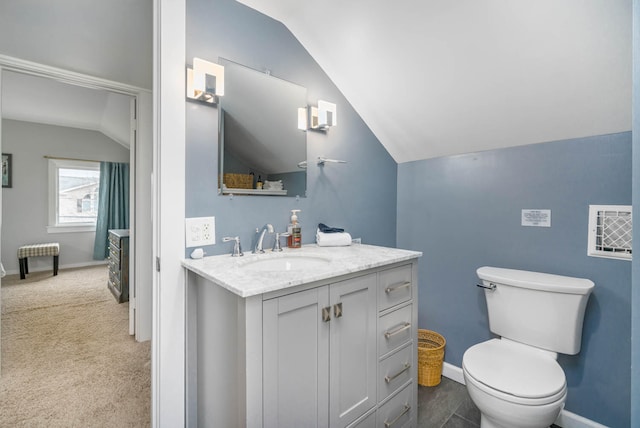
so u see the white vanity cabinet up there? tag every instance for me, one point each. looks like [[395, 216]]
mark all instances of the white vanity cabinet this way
[[320, 363], [336, 350]]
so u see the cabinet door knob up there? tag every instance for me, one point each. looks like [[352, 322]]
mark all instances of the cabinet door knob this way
[[337, 310], [326, 314]]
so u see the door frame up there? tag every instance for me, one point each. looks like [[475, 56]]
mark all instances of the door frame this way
[[141, 100], [169, 301]]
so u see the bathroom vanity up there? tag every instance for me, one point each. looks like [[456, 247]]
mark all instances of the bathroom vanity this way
[[306, 337]]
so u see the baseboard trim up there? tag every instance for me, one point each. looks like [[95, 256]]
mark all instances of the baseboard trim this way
[[67, 266], [566, 419], [452, 372]]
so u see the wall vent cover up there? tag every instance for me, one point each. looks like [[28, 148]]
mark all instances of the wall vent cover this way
[[610, 231]]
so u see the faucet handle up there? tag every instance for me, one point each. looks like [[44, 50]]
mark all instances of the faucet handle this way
[[276, 244], [237, 249]]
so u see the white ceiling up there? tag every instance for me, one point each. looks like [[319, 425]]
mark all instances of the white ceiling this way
[[430, 78], [42, 100], [443, 77], [106, 39]]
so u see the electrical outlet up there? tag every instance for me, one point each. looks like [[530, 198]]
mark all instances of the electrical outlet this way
[[200, 231]]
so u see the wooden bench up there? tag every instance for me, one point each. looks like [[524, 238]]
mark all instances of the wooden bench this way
[[37, 250]]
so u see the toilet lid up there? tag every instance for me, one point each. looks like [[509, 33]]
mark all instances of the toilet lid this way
[[514, 369]]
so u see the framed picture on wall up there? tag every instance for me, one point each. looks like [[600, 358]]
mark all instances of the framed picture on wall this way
[[6, 170]]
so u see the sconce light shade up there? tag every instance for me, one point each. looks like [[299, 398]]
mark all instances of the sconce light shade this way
[[319, 118], [327, 114], [313, 117], [302, 119], [205, 81]]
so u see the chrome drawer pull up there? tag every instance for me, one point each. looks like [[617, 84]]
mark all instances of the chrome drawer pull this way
[[491, 286], [405, 326], [388, 378], [397, 287], [389, 424]]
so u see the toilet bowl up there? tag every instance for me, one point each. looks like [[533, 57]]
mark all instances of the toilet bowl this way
[[514, 385], [516, 380]]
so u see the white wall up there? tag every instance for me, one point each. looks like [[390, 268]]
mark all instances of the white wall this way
[[25, 205]]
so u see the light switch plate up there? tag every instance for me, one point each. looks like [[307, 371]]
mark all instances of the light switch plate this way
[[200, 231]]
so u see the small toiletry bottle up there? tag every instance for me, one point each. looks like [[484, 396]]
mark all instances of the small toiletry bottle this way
[[295, 233], [259, 183]]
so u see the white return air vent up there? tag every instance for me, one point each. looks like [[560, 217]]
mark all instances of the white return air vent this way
[[610, 231]]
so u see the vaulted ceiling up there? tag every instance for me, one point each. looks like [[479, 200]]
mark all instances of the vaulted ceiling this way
[[430, 78], [110, 40], [42, 100], [443, 77]]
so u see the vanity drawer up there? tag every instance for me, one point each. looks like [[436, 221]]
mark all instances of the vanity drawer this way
[[398, 412], [394, 371], [395, 329], [394, 287]]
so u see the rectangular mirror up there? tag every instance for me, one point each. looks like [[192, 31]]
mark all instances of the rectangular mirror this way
[[262, 151]]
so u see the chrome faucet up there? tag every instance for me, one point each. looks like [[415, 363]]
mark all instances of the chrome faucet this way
[[237, 248], [259, 237], [276, 244]]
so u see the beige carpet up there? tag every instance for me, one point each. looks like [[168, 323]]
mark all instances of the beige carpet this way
[[67, 357]]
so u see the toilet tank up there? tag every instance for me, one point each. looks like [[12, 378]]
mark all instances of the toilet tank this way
[[537, 309]]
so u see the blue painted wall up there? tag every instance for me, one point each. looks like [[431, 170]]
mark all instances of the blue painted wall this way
[[359, 196], [464, 212], [461, 211], [635, 311]]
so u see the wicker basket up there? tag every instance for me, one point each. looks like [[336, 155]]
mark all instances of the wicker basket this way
[[430, 357], [238, 181]]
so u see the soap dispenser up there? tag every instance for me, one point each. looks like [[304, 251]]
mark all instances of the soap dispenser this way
[[295, 233]]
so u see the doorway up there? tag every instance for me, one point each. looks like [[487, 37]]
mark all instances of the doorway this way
[[136, 134]]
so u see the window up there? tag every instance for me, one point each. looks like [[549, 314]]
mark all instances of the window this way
[[73, 195], [610, 231]]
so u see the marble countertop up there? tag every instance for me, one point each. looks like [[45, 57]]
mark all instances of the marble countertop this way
[[234, 274]]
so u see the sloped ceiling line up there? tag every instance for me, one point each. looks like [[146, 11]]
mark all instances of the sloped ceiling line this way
[[466, 76]]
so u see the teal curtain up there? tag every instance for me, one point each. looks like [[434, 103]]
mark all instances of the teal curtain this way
[[113, 205]]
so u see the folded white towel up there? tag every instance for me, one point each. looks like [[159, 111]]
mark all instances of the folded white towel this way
[[272, 185], [341, 239]]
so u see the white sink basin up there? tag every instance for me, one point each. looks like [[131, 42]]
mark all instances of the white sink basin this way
[[286, 263]]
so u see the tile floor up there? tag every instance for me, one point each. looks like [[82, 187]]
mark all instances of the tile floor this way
[[447, 405]]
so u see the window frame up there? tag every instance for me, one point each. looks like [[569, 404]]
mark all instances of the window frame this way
[[54, 166]]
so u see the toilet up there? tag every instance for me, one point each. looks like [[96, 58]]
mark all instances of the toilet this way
[[515, 380]]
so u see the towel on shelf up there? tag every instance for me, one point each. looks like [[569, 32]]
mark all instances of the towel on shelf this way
[[272, 185], [336, 239], [326, 229]]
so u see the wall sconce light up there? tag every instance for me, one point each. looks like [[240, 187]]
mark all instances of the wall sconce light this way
[[205, 81], [319, 118], [327, 114], [302, 118]]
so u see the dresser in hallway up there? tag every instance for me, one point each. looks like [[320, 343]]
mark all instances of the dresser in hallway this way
[[118, 281]]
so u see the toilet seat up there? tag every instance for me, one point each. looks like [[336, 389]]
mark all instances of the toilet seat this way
[[515, 372]]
